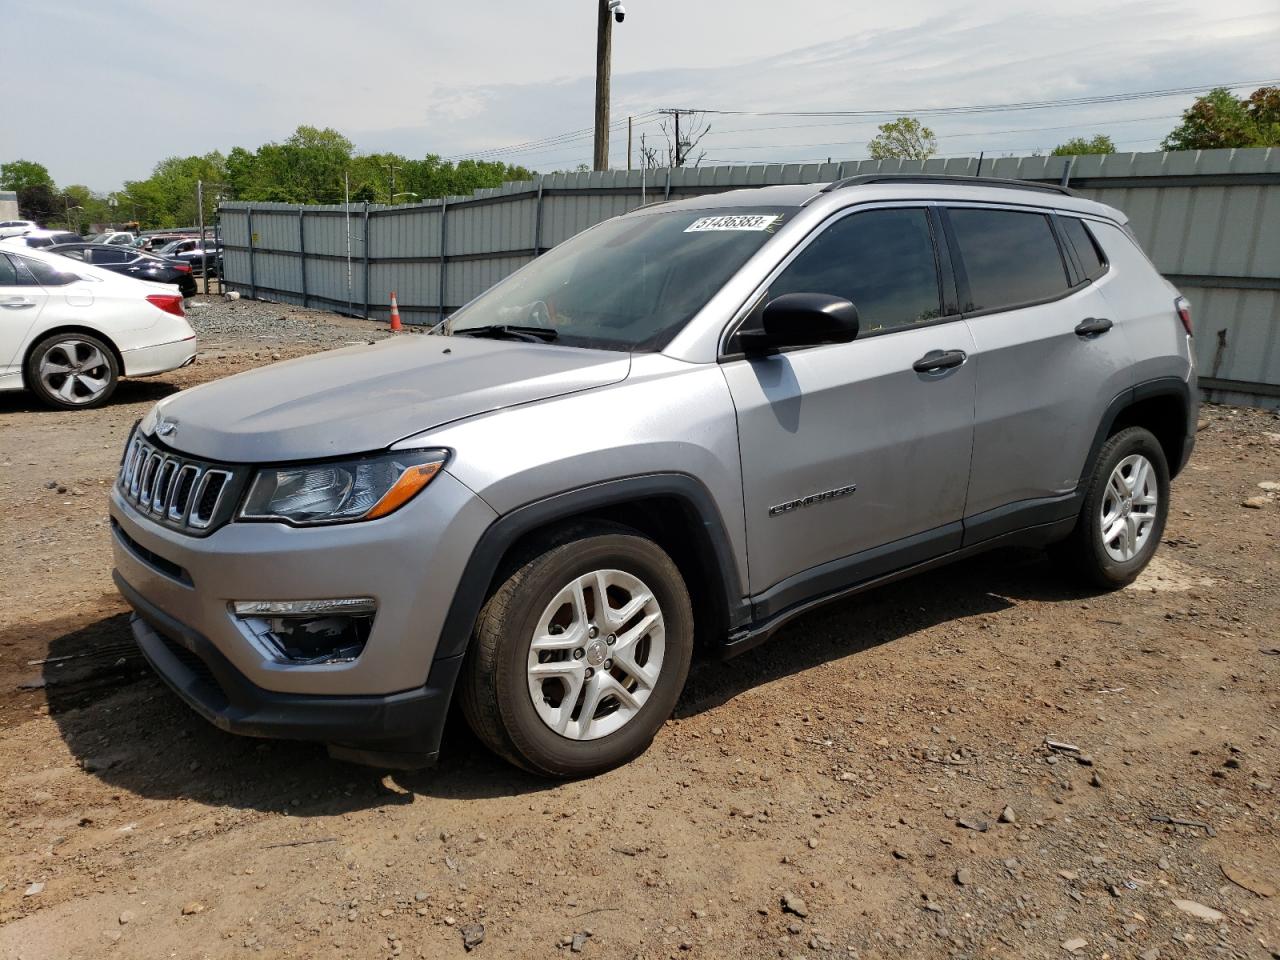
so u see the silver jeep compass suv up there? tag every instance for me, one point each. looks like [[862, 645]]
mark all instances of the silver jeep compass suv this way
[[697, 420]]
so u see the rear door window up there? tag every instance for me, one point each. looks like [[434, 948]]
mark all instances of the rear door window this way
[[1010, 258], [110, 255]]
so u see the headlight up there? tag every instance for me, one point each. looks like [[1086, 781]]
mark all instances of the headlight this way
[[341, 491]]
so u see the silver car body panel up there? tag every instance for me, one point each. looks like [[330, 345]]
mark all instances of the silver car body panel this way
[[366, 398], [668, 416]]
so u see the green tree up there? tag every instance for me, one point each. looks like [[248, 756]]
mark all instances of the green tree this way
[[19, 174], [1264, 109], [903, 139], [168, 197], [1079, 146], [39, 202], [1220, 119]]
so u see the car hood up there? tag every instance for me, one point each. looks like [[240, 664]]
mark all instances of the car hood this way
[[367, 397]]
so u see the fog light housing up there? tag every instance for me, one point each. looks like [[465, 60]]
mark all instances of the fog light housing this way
[[309, 631]]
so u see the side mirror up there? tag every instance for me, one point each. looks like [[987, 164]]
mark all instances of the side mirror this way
[[802, 320]]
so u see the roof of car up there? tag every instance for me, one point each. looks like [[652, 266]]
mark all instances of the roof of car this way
[[901, 187]]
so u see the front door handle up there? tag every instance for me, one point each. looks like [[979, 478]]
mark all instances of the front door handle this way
[[17, 303], [936, 360], [1093, 327]]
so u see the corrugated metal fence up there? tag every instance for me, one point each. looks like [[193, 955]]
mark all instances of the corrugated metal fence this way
[[1209, 219]]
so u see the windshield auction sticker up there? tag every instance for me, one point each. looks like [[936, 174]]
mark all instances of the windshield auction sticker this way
[[745, 221]]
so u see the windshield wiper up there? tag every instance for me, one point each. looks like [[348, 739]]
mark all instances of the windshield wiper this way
[[507, 331]]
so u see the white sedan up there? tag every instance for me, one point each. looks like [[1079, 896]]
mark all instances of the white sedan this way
[[69, 331]]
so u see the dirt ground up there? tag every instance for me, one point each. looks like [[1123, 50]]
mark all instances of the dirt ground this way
[[875, 782]]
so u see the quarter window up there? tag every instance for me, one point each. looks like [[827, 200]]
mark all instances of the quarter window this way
[[881, 260], [46, 275], [1085, 247], [1010, 258]]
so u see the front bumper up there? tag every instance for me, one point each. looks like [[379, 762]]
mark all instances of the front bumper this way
[[410, 562], [399, 730]]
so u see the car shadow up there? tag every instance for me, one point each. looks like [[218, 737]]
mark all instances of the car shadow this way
[[125, 726], [988, 583], [127, 392]]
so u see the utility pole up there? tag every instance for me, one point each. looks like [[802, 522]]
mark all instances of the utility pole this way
[[604, 55], [677, 155], [629, 144]]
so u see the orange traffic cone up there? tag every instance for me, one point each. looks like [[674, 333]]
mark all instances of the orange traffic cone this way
[[396, 326]]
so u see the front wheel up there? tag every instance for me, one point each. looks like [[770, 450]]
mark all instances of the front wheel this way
[[1125, 508], [578, 658]]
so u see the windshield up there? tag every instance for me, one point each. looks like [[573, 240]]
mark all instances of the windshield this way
[[627, 284]]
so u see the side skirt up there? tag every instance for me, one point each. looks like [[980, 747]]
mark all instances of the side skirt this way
[[1036, 535]]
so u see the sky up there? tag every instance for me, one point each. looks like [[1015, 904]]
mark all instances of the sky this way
[[112, 88]]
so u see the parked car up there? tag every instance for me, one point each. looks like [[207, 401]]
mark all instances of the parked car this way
[[71, 330], [196, 253], [121, 238], [154, 242], [692, 422], [16, 228], [131, 262], [42, 238]]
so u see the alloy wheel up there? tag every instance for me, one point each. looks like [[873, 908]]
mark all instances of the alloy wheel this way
[[75, 371], [1129, 505], [596, 654]]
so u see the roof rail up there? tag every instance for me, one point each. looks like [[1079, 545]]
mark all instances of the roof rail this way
[[943, 178]]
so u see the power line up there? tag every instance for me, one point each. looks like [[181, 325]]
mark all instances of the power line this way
[[991, 107]]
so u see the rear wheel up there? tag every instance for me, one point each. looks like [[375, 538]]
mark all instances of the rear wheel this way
[[1125, 508], [578, 658], [72, 371]]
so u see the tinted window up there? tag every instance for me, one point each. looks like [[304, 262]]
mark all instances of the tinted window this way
[[110, 255], [46, 275], [1009, 257], [16, 275], [1085, 247], [74, 254], [882, 260]]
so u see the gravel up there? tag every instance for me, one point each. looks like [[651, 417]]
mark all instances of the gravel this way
[[214, 318]]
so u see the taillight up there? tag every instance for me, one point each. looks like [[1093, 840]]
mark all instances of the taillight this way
[[182, 267], [169, 303], [1184, 314]]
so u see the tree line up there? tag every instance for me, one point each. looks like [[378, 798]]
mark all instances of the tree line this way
[[322, 166], [1217, 120], [311, 166]]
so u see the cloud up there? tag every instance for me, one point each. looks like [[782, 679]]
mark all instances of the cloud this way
[[454, 79]]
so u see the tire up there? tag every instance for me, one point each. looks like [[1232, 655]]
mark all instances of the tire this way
[[1114, 562], [91, 371], [554, 736]]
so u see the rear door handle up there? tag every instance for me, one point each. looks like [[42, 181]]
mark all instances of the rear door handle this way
[[1093, 327], [17, 303], [936, 360]]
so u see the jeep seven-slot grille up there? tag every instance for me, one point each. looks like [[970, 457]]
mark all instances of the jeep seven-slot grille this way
[[175, 490]]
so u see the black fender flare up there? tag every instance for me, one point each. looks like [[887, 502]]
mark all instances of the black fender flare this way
[[1159, 387], [503, 533]]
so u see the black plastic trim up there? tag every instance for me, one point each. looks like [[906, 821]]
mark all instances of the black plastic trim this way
[[949, 180], [836, 575], [477, 577], [397, 729], [1012, 517], [757, 633], [1160, 386]]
